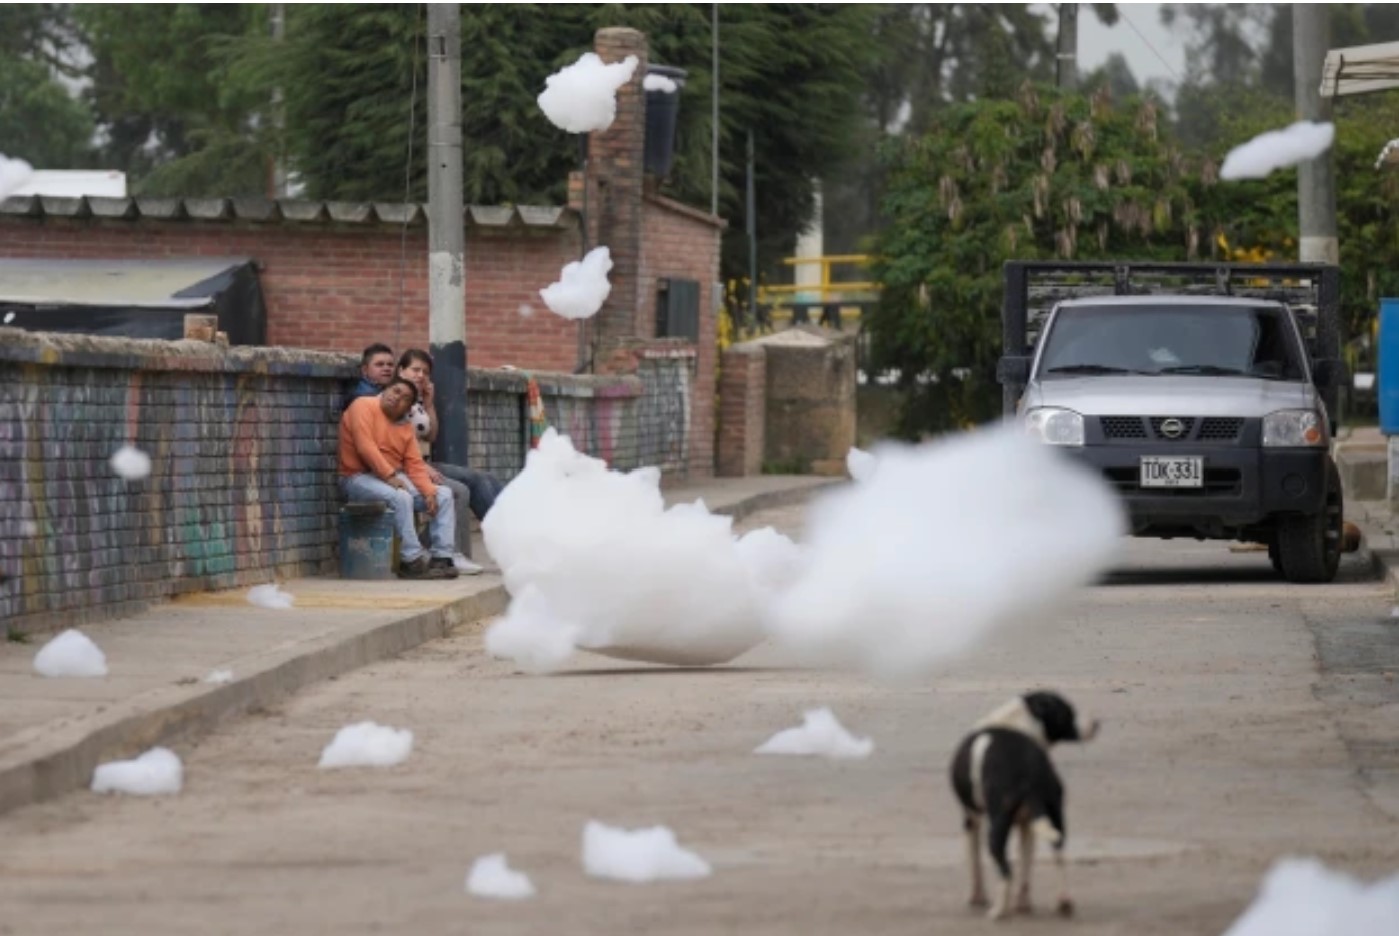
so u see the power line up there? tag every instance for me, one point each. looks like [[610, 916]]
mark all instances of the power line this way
[[1122, 12], [407, 191]]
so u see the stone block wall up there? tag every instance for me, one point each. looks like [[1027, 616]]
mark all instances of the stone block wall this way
[[243, 454]]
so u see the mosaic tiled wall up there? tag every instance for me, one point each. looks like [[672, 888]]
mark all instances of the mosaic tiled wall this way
[[242, 444]]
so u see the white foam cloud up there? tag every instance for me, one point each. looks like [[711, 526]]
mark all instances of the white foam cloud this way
[[365, 744], [593, 559], [1278, 149], [659, 83], [13, 174], [860, 464], [158, 772], [820, 735], [131, 463], [942, 543], [582, 97], [1302, 897], [491, 876], [638, 856], [219, 677], [71, 653], [582, 286]]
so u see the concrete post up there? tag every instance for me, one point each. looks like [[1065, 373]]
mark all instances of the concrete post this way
[[446, 231], [1316, 179]]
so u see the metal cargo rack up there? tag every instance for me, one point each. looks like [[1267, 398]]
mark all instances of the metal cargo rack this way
[[1032, 288]]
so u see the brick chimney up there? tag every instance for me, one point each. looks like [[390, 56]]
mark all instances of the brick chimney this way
[[616, 163]]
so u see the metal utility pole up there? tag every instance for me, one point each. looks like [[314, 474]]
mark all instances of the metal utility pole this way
[[1316, 178], [446, 230], [752, 221], [1066, 55]]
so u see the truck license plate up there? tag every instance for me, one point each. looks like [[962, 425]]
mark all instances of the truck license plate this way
[[1173, 471]]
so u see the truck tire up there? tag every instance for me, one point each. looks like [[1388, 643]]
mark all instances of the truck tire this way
[[1309, 547]]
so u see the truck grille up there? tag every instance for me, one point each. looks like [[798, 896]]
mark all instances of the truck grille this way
[[1221, 429], [1122, 427], [1197, 429]]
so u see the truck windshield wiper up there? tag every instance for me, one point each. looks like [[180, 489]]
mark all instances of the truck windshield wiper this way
[[1209, 370], [1090, 369]]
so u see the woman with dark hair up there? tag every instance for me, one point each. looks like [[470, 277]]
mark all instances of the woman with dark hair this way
[[474, 487]]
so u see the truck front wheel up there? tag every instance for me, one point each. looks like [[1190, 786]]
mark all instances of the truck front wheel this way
[[1309, 547]]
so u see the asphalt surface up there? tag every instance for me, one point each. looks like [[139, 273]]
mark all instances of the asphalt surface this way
[[1244, 719]]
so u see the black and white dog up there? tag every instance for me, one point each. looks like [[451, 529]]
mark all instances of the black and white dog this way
[[1002, 772]]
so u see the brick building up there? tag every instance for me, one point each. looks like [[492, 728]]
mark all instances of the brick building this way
[[336, 276]]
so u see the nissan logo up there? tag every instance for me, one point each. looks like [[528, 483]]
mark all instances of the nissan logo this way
[[1172, 428]]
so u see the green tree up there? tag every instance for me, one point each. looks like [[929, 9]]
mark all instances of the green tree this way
[[39, 120], [1045, 175], [173, 116], [792, 73]]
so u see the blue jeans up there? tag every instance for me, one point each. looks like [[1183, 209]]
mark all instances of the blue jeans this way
[[441, 529], [483, 487]]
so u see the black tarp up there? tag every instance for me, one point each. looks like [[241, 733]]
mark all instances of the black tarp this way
[[133, 298]]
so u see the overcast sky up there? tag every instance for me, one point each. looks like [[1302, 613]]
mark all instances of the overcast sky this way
[[1096, 42]]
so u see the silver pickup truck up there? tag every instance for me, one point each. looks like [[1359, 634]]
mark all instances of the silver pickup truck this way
[[1198, 391]]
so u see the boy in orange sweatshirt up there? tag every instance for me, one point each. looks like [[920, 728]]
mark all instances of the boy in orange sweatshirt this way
[[379, 461]]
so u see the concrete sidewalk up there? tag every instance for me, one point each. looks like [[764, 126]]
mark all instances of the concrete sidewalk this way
[[54, 732]]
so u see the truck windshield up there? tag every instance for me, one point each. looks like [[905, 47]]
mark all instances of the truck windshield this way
[[1210, 340]]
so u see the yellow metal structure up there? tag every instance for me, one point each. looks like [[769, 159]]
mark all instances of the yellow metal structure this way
[[827, 290]]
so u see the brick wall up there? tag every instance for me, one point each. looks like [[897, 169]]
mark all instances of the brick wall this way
[[742, 410], [243, 445], [340, 287], [680, 242]]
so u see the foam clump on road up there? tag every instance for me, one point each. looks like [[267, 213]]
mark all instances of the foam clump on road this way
[[365, 744], [582, 97], [940, 544], [582, 286], [219, 677], [131, 463], [491, 876], [270, 596], [1302, 897], [1277, 149], [71, 653], [593, 559], [158, 772], [638, 856], [819, 735]]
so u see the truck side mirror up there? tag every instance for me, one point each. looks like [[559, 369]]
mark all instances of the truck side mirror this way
[[1013, 369], [1327, 372]]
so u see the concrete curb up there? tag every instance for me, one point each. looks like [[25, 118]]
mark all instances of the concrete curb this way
[[48, 763], [785, 497], [1383, 546], [57, 762]]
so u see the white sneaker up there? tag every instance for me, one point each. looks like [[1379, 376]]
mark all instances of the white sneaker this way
[[465, 566]]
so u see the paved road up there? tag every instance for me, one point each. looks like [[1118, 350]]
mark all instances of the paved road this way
[[1245, 719]]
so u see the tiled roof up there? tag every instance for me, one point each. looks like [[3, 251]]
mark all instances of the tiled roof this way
[[273, 211]]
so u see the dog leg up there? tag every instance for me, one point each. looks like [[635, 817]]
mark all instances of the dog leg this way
[[999, 838], [971, 828], [1066, 904], [1027, 861]]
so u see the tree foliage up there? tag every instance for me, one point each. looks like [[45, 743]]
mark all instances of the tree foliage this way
[[39, 120], [1080, 177]]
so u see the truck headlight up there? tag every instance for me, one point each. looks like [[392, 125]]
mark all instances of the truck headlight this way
[[1055, 426], [1300, 428]]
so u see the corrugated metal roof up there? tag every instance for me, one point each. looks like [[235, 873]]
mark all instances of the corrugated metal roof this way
[[154, 284], [276, 211]]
